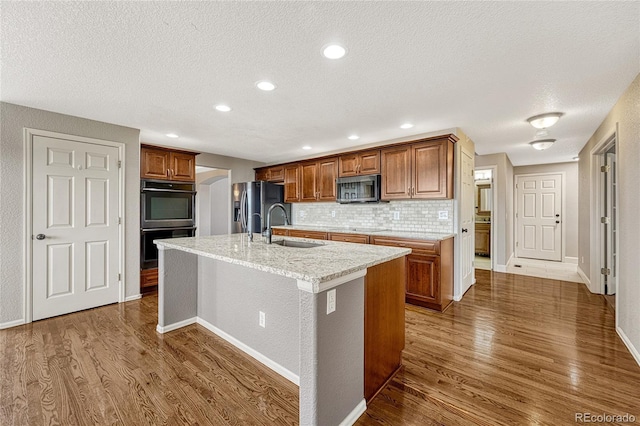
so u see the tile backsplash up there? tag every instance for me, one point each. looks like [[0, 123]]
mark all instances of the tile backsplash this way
[[410, 215]]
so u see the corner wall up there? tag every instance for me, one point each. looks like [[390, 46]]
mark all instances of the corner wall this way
[[13, 120], [241, 170], [626, 114]]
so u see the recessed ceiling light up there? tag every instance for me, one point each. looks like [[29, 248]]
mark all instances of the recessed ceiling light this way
[[334, 51], [406, 126], [543, 121], [171, 135], [307, 147], [576, 158], [267, 86], [542, 144], [223, 108], [354, 137]]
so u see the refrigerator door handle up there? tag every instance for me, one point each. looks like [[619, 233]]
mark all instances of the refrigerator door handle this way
[[243, 211]]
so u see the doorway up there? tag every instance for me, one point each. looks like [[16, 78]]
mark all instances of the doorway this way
[[483, 181], [213, 202]]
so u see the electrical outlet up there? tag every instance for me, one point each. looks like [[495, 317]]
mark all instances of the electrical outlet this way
[[262, 320], [582, 259], [331, 301], [301, 213], [333, 213], [443, 215], [396, 215]]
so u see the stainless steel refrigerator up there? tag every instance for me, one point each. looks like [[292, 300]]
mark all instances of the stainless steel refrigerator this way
[[251, 201]]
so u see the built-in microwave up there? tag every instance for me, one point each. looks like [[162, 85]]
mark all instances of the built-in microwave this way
[[358, 189], [166, 204]]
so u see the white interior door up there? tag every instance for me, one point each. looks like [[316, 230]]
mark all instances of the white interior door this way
[[467, 222], [610, 223], [75, 195], [539, 216]]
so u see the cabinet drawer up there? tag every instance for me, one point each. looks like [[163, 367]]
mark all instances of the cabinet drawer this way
[[308, 234], [349, 238], [423, 246], [148, 277], [278, 231]]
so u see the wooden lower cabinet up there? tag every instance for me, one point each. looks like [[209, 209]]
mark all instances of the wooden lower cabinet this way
[[316, 235], [148, 278], [349, 238], [278, 231], [429, 280], [483, 239]]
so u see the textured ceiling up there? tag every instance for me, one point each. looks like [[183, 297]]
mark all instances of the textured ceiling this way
[[481, 66]]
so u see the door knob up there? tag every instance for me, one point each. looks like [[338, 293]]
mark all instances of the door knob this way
[[557, 215], [40, 237], [464, 230], [557, 221]]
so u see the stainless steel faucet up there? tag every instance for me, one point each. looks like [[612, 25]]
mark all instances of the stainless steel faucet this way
[[249, 227], [268, 233]]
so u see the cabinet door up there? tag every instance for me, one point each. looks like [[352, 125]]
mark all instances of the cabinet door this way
[[276, 174], [430, 170], [262, 174], [291, 185], [483, 239], [154, 164], [316, 235], [308, 179], [183, 166], [327, 174], [396, 169], [423, 274], [349, 238], [369, 163], [348, 165]]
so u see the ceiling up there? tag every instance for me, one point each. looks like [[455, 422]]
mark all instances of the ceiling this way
[[481, 66]]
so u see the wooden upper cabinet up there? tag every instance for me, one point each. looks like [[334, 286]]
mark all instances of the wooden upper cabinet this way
[[326, 179], [165, 164], [308, 181], [359, 163], [183, 166], [262, 174], [271, 174], [396, 173], [154, 163], [422, 170], [291, 185]]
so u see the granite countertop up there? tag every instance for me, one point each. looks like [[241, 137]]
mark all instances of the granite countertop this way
[[315, 265], [431, 236]]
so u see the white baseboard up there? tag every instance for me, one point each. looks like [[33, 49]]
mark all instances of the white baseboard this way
[[10, 324], [634, 352], [355, 414], [572, 260], [252, 353], [584, 277], [134, 297], [500, 268], [176, 325]]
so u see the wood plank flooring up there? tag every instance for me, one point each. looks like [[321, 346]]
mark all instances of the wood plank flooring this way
[[516, 350]]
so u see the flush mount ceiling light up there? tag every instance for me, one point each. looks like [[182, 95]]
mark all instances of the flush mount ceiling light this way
[[406, 126], [333, 51], [576, 158], [223, 108], [542, 144], [544, 121], [354, 137], [267, 86], [306, 147], [171, 135]]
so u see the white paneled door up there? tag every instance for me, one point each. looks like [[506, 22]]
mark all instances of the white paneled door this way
[[75, 196], [467, 222], [539, 216]]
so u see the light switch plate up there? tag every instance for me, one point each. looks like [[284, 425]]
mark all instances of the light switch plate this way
[[396, 215], [443, 215], [331, 301]]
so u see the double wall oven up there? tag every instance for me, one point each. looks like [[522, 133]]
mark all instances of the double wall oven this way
[[167, 210]]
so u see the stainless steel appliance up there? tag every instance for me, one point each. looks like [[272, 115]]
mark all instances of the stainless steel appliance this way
[[149, 251], [358, 189], [166, 204], [251, 201]]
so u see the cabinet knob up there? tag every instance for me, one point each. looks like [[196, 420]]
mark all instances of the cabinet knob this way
[[465, 230]]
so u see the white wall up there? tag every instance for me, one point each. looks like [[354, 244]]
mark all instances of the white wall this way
[[13, 120], [241, 170], [570, 214], [626, 114], [219, 194]]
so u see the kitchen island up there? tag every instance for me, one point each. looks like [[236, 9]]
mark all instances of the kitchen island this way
[[330, 318]]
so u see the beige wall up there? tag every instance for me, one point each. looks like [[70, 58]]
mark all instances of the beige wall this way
[[570, 214], [241, 170], [626, 114], [13, 120], [502, 219]]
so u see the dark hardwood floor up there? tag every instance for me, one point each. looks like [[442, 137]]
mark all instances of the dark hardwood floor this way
[[517, 350]]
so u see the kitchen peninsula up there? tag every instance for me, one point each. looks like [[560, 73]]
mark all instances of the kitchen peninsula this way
[[330, 318]]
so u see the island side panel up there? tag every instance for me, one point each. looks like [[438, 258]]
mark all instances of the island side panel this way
[[332, 355], [384, 327], [177, 288], [230, 298]]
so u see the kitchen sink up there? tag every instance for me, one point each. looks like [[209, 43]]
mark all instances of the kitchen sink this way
[[296, 244]]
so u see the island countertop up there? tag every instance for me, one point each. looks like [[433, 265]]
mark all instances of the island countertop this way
[[374, 232], [329, 261]]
